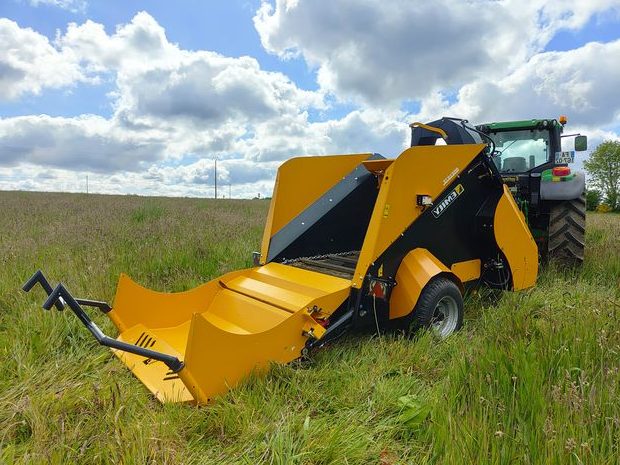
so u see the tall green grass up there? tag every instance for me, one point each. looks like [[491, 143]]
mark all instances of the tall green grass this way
[[532, 378]]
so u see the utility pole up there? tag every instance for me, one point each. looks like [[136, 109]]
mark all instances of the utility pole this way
[[87, 184], [215, 177], [229, 191]]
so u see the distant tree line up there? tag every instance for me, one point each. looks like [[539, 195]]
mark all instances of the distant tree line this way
[[603, 168]]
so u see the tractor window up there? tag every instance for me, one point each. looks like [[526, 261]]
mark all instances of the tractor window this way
[[520, 151]]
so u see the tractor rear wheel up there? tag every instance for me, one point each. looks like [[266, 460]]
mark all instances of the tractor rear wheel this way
[[567, 229], [439, 309]]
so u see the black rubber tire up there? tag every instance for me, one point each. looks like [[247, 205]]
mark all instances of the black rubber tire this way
[[567, 230], [422, 315]]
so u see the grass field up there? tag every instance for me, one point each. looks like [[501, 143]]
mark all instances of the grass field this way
[[532, 379]]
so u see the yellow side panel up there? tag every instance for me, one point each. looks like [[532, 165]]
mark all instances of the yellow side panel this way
[[515, 240], [299, 183], [417, 268], [467, 270], [421, 170], [156, 376], [216, 359]]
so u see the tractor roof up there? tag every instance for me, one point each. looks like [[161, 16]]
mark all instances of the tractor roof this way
[[523, 124]]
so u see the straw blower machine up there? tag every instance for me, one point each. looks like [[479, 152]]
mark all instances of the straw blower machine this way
[[351, 242]]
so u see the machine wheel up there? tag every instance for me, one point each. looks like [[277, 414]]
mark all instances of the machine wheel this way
[[567, 229], [439, 308]]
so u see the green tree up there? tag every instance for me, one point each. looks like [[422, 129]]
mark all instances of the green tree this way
[[603, 166], [593, 199]]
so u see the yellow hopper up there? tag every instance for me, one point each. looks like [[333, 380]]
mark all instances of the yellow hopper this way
[[223, 329]]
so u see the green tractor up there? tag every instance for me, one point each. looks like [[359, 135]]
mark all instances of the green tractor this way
[[528, 155]]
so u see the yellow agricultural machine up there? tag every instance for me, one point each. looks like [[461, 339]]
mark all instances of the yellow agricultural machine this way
[[351, 241]]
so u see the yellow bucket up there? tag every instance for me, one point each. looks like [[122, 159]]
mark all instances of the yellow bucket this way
[[224, 329]]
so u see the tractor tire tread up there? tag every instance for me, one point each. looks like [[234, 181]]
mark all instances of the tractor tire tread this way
[[567, 227]]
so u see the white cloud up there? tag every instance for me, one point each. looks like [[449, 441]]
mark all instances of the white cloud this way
[[201, 100], [140, 44], [157, 79], [238, 172], [175, 109], [210, 90], [29, 63], [360, 131], [88, 142], [367, 130], [385, 51], [168, 102], [580, 83], [45, 153], [236, 178]]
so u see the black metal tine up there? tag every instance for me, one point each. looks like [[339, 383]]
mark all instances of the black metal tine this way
[[103, 306], [34, 279], [39, 278], [61, 292]]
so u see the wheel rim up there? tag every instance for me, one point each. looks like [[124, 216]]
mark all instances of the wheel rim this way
[[445, 316]]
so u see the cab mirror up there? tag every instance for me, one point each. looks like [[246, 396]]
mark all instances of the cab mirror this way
[[581, 143]]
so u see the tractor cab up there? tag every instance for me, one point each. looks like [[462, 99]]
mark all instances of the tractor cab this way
[[530, 145], [528, 156], [522, 150]]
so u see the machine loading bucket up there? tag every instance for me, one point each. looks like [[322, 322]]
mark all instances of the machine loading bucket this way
[[224, 329]]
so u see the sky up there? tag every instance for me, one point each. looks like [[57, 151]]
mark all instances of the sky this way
[[140, 97]]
